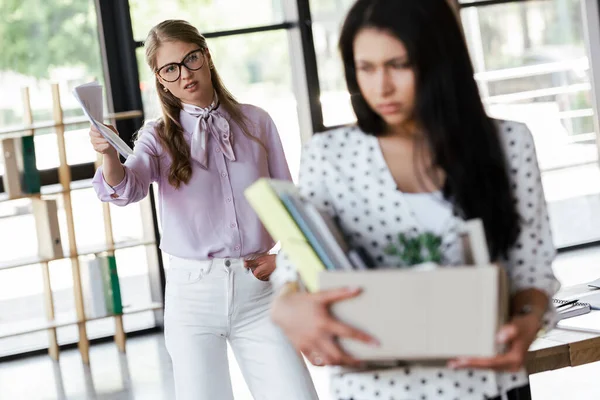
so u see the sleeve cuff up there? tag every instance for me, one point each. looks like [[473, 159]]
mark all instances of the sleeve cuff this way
[[106, 192], [116, 191]]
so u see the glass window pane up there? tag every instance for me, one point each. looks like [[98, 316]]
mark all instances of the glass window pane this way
[[133, 276], [256, 69], [17, 230], [36, 53], [58, 43], [206, 15], [77, 145], [21, 299], [531, 65], [88, 219], [328, 16]]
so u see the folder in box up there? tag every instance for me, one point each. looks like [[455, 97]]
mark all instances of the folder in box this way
[[264, 198], [320, 231]]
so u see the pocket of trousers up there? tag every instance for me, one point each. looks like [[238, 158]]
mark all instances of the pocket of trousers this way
[[259, 285], [181, 276]]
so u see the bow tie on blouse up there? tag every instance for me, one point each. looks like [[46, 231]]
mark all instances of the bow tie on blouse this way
[[210, 122]]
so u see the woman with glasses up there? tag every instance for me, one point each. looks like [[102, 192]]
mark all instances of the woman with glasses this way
[[423, 158], [204, 151]]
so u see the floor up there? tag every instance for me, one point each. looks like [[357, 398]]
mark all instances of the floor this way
[[144, 372]]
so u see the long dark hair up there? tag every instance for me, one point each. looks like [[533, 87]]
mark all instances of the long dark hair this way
[[463, 140]]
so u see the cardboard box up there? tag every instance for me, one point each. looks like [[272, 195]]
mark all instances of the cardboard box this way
[[431, 315]]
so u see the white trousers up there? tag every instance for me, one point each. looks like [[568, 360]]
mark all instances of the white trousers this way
[[211, 302]]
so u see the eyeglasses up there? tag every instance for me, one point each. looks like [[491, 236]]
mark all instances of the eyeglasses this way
[[193, 61]]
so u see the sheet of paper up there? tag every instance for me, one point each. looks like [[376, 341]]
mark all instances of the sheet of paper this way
[[595, 284], [585, 323], [89, 96]]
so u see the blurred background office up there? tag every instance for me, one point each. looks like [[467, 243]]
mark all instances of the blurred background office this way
[[536, 61]]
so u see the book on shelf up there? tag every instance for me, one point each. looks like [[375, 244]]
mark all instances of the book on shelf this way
[[92, 285], [21, 175], [30, 176], [112, 287], [11, 178], [45, 213], [101, 286]]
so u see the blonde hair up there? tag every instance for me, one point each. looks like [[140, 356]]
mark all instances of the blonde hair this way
[[169, 129]]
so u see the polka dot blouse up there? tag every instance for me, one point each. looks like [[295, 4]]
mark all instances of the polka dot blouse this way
[[343, 172]]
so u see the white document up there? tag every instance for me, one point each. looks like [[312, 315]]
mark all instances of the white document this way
[[476, 243], [89, 96], [589, 322]]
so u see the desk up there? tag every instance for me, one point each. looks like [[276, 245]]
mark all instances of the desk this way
[[564, 348]]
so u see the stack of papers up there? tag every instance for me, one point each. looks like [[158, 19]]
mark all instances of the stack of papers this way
[[89, 96]]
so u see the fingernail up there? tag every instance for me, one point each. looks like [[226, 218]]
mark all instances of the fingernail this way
[[353, 289], [374, 342], [501, 337], [459, 363]]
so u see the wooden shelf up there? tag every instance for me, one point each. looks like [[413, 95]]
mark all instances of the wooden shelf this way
[[50, 190], [126, 244], [27, 130], [39, 326], [84, 251], [132, 310], [73, 251]]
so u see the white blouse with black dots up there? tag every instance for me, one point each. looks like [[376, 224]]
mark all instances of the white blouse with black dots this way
[[344, 173]]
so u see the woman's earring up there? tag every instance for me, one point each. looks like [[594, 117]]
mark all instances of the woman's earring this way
[[165, 89]]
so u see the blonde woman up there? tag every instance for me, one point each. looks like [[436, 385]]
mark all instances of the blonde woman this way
[[203, 152]]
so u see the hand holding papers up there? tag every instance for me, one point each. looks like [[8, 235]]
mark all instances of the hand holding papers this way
[[89, 96]]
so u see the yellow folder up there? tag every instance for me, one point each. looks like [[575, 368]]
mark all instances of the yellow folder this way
[[263, 196]]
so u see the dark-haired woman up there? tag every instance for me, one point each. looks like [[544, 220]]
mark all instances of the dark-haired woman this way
[[423, 158]]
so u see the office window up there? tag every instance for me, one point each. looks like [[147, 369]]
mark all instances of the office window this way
[[532, 65], [328, 15], [255, 67], [206, 15]]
